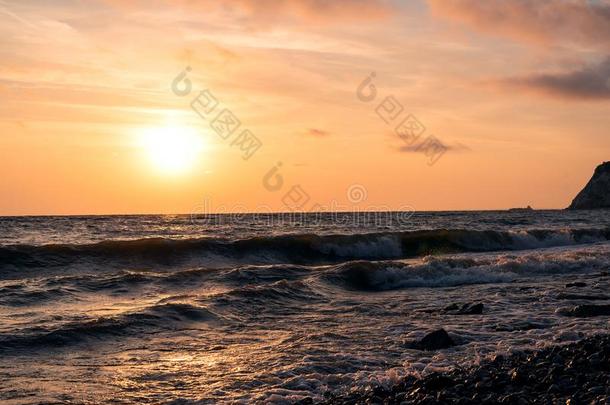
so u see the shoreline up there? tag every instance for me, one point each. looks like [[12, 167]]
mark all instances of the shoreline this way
[[576, 373]]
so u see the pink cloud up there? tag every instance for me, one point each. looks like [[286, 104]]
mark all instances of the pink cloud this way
[[275, 10], [315, 9], [540, 21], [316, 132], [586, 83], [544, 22]]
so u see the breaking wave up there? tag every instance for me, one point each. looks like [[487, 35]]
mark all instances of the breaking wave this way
[[296, 248], [154, 318], [433, 272]]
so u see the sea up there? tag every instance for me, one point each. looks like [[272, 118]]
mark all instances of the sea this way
[[278, 308]]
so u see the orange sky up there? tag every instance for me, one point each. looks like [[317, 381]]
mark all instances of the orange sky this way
[[518, 91]]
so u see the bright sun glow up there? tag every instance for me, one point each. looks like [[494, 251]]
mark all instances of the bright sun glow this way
[[172, 149]]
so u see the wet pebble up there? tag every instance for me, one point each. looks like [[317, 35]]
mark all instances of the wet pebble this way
[[574, 374]]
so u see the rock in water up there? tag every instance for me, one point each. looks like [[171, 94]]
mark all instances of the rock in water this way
[[439, 339], [471, 309], [576, 284], [596, 193], [466, 309], [586, 311]]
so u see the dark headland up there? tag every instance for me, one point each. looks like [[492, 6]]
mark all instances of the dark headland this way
[[596, 194]]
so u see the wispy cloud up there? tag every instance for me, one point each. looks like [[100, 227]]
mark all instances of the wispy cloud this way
[[316, 132], [315, 10], [585, 24], [589, 82], [542, 21], [5, 11], [270, 11], [456, 147]]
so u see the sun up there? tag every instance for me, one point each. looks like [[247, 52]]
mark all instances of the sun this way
[[172, 149]]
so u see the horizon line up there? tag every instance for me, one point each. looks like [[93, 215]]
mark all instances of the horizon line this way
[[266, 213]]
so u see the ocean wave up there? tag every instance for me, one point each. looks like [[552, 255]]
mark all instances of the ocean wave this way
[[19, 295], [436, 272], [128, 280], [265, 274], [273, 296], [158, 317], [367, 276], [295, 248], [281, 284]]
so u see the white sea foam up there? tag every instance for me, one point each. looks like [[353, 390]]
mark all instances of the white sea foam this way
[[455, 270]]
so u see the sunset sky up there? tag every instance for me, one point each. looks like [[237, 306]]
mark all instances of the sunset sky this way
[[518, 91]]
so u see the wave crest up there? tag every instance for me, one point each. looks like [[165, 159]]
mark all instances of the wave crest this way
[[157, 317], [297, 248]]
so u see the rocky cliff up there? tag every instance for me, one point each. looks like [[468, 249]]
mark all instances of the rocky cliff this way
[[596, 193]]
